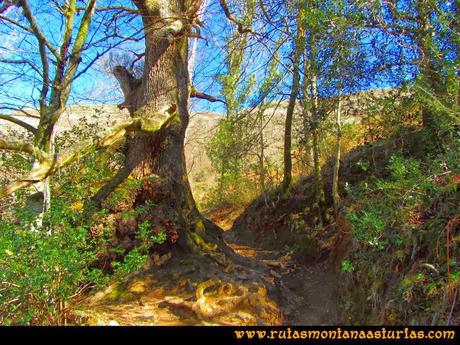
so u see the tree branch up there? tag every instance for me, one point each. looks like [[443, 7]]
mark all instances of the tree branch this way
[[229, 15], [20, 110], [43, 44], [48, 165], [18, 122], [20, 146], [6, 6], [35, 28], [22, 62], [69, 14], [75, 55], [196, 94]]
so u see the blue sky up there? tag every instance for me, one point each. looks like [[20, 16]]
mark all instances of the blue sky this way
[[98, 85]]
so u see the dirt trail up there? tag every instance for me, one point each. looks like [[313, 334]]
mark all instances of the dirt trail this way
[[271, 289], [305, 293]]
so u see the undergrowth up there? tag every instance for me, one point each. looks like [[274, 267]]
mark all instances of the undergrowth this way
[[45, 269], [403, 263]]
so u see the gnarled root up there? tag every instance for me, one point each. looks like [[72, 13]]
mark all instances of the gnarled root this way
[[227, 302]]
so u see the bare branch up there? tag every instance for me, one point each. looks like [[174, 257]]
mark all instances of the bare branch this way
[[196, 94], [20, 110], [22, 62], [16, 23], [35, 28], [43, 44], [6, 6], [75, 56], [107, 50], [18, 122], [229, 15]]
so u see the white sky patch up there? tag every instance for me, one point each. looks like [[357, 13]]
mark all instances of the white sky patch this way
[[10, 44], [13, 11]]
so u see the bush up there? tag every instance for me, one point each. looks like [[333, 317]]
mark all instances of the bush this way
[[399, 226], [40, 273], [233, 190]]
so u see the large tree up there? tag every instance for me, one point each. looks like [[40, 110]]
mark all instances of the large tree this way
[[158, 103], [161, 95], [54, 72]]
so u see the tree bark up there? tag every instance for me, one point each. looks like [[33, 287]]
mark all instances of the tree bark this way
[[158, 159], [165, 85], [299, 48], [311, 85], [335, 177], [428, 71], [261, 153]]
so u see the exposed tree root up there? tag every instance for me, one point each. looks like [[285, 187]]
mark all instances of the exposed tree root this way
[[193, 290]]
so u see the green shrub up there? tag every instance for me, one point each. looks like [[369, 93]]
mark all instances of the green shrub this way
[[40, 273], [399, 224]]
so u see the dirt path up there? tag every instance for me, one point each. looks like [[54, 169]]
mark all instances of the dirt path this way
[[306, 294], [271, 288]]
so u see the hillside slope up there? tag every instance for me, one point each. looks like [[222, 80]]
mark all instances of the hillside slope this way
[[395, 246]]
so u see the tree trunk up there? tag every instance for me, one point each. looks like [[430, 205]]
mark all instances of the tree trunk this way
[[44, 140], [428, 72], [335, 177], [311, 84], [39, 202], [165, 85], [157, 159], [261, 154], [299, 48]]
